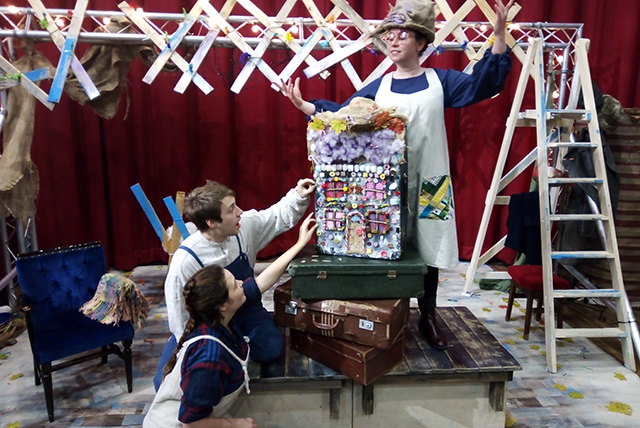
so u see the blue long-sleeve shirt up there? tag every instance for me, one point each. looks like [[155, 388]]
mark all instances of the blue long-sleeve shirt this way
[[209, 372], [460, 89]]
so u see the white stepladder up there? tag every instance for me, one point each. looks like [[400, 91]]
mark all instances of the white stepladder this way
[[554, 128]]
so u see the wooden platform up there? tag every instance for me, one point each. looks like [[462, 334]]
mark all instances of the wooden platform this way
[[429, 384]]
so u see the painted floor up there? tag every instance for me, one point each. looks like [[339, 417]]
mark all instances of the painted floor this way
[[590, 388]]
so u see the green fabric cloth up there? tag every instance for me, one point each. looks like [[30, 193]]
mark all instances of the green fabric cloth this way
[[503, 285]]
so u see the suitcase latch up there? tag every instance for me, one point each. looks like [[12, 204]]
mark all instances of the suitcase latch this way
[[391, 274], [322, 274], [291, 308]]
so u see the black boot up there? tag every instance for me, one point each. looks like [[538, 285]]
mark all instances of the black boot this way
[[428, 327]]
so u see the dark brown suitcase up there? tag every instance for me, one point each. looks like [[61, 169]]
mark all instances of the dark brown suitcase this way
[[374, 323], [363, 364]]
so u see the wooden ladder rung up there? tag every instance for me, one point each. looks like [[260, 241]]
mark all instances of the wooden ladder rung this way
[[493, 275], [573, 114], [576, 180], [590, 293], [558, 255], [576, 217], [571, 144], [590, 332]]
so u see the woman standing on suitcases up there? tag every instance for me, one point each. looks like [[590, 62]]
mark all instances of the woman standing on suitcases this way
[[422, 94], [209, 366]]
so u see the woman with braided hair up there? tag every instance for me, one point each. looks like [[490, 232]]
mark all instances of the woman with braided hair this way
[[208, 369]]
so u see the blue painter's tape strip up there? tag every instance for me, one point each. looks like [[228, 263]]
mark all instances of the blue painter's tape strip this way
[[63, 68], [175, 215], [148, 210], [38, 74]]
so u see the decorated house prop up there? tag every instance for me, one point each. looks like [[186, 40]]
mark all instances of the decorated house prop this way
[[359, 167]]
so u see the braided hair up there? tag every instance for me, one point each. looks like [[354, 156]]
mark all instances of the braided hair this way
[[203, 293]]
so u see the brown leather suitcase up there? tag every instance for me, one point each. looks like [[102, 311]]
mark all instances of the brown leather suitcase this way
[[376, 323], [363, 364]]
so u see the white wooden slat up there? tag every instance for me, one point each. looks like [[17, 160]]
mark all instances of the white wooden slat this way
[[158, 40], [458, 32], [359, 22], [298, 58], [328, 35], [337, 56], [279, 31], [66, 54], [27, 84], [174, 41], [249, 66], [58, 39], [237, 40], [202, 51]]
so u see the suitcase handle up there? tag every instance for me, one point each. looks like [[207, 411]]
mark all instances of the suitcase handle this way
[[322, 326]]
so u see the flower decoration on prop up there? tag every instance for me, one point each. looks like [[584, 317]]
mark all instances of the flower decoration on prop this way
[[358, 133], [116, 299]]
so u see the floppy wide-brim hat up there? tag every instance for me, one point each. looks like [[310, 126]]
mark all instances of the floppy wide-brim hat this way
[[416, 15]]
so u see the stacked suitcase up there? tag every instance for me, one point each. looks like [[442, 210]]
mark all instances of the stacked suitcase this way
[[350, 313]]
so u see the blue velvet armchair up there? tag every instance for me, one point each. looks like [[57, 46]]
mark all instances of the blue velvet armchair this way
[[55, 284]]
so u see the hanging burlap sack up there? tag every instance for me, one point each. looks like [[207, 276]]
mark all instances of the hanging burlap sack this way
[[19, 180], [108, 65]]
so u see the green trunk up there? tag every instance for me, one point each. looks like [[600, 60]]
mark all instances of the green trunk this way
[[341, 277]]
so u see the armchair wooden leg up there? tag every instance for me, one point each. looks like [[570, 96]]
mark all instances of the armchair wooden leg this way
[[48, 388], [36, 370], [105, 354], [128, 363]]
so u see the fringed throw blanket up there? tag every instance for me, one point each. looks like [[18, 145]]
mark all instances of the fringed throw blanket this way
[[117, 298]]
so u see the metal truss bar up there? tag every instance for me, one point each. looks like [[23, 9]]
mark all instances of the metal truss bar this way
[[107, 38], [553, 33]]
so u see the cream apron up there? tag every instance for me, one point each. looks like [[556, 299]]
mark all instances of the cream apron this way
[[432, 226], [163, 412]]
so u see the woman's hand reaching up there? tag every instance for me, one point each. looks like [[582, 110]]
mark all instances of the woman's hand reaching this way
[[291, 90], [500, 26], [307, 230]]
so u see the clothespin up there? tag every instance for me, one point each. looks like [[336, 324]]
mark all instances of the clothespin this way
[[324, 44], [371, 50], [439, 50], [166, 39], [463, 46], [184, 13], [43, 22], [244, 57], [288, 37]]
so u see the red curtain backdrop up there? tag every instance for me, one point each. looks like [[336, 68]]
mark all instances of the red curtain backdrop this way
[[255, 141]]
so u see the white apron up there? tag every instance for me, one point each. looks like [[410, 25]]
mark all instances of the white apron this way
[[432, 226], [164, 409]]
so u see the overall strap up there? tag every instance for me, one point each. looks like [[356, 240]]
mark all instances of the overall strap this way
[[242, 362], [242, 253], [190, 251]]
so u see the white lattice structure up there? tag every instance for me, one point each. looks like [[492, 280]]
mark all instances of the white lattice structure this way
[[342, 31]]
